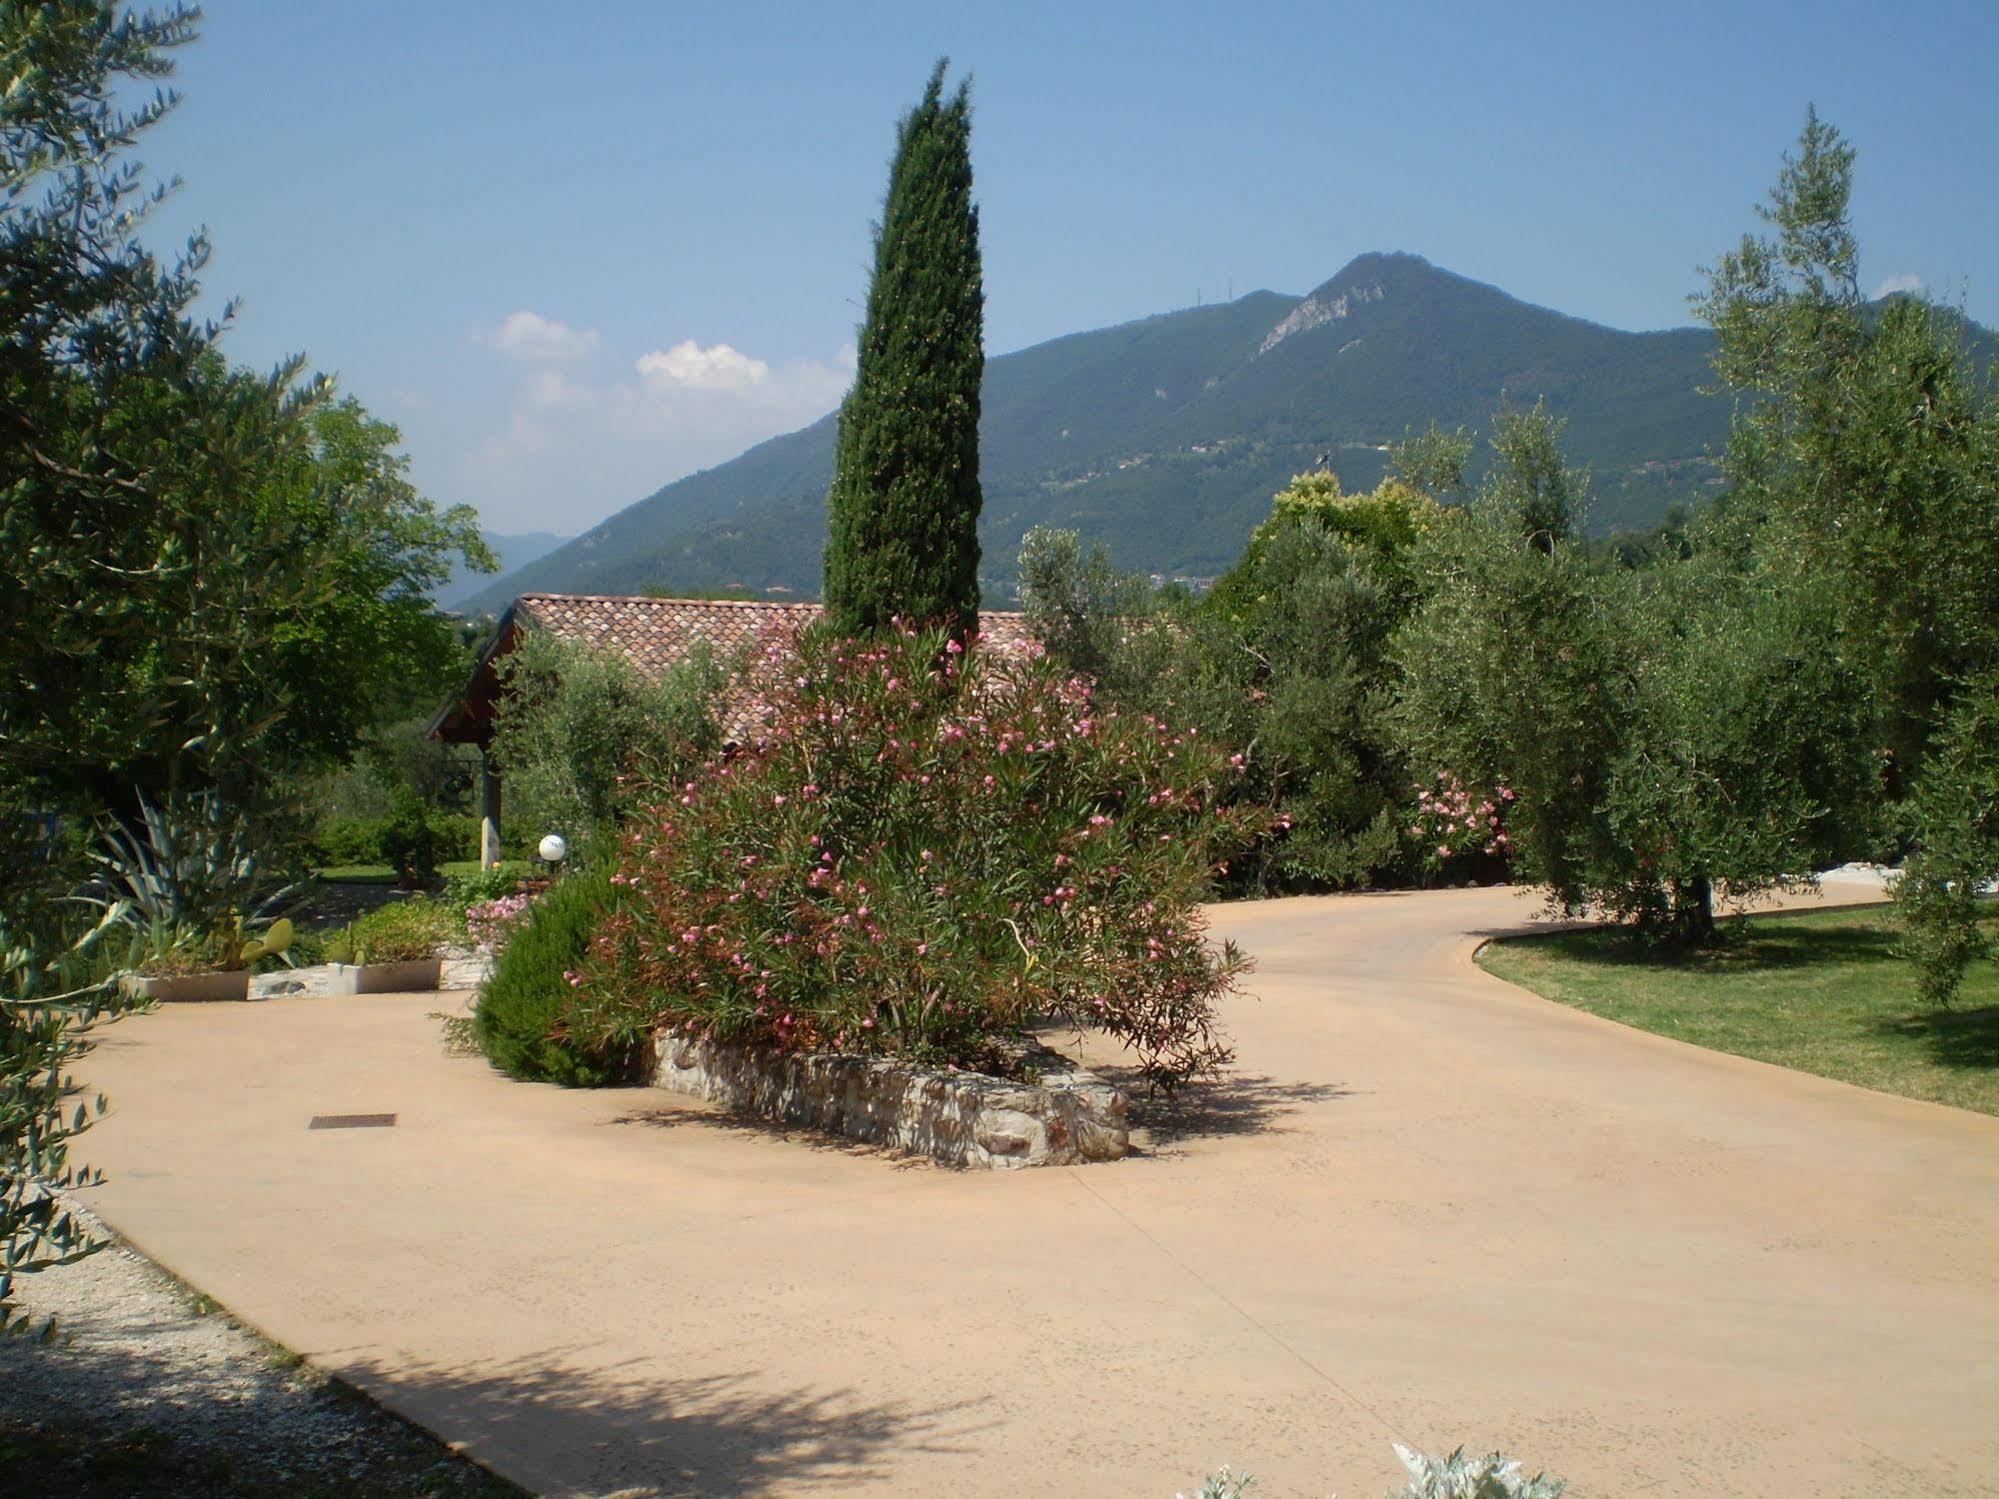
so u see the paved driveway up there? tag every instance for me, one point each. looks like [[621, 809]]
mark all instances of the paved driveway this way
[[1428, 1206]]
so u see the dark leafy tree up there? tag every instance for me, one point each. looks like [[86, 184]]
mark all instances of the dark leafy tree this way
[[904, 506], [207, 577]]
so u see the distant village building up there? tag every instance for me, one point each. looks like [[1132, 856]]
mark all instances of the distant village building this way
[[655, 635]]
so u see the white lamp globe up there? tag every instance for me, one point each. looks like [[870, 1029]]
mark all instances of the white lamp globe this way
[[554, 849]]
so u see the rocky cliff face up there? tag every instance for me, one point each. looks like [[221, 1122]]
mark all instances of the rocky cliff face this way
[[1316, 311]]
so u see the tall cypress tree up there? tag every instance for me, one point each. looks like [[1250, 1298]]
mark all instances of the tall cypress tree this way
[[904, 506]]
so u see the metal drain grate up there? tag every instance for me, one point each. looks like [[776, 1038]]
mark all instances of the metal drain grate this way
[[352, 1121]]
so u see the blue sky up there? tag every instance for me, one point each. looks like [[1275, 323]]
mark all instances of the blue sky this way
[[578, 250]]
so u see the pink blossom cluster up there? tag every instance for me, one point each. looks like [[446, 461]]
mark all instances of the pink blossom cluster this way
[[1451, 823], [490, 922]]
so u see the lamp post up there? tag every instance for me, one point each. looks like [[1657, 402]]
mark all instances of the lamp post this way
[[554, 849]]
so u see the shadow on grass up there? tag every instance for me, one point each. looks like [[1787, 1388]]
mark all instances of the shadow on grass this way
[[1745, 945], [1963, 1039], [627, 1429]]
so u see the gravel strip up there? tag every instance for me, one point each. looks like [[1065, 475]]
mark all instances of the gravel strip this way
[[151, 1389]]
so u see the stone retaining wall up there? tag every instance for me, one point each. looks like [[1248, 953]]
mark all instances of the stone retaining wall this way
[[961, 1118]]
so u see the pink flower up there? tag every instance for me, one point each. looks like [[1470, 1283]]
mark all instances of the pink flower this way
[[1443, 850], [953, 647]]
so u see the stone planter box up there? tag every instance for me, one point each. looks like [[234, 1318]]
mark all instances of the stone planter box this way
[[191, 988], [960, 1118], [457, 971], [395, 978]]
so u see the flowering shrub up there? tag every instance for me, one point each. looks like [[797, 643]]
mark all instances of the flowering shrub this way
[[921, 853], [1458, 838], [488, 923]]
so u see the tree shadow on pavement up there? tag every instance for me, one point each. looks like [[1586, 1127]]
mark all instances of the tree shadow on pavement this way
[[1235, 1104], [682, 1113], [624, 1431]]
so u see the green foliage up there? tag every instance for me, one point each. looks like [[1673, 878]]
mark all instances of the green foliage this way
[[903, 510], [1665, 733], [1867, 446], [400, 932], [1462, 1477], [924, 853], [581, 735], [408, 841], [1285, 660], [1953, 821], [1086, 612], [1529, 479], [206, 560], [1289, 661], [521, 1019], [51, 991], [466, 890], [343, 841]]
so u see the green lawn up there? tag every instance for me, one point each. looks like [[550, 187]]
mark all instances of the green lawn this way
[[1821, 991], [382, 874]]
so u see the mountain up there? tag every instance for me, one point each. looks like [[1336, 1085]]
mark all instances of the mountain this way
[[1165, 438], [513, 551]]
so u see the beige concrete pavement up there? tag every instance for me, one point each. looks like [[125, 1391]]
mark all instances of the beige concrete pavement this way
[[1426, 1206]]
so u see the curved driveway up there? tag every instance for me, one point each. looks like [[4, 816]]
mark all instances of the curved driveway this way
[[1427, 1206]]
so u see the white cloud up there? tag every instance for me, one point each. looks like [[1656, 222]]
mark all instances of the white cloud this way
[[564, 446], [1906, 282], [716, 368], [530, 336]]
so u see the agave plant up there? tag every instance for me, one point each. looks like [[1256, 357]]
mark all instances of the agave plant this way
[[194, 863]]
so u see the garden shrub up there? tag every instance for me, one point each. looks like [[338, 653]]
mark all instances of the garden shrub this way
[[1287, 658], [345, 841], [521, 1022], [408, 841], [580, 733], [400, 932], [922, 853], [1953, 821]]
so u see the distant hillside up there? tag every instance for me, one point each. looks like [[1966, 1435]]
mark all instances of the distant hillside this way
[[1166, 438], [514, 552]]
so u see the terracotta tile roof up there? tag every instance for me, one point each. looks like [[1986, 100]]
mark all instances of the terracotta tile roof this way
[[657, 634], [654, 635]]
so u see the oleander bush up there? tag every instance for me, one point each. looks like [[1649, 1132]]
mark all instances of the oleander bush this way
[[922, 853]]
